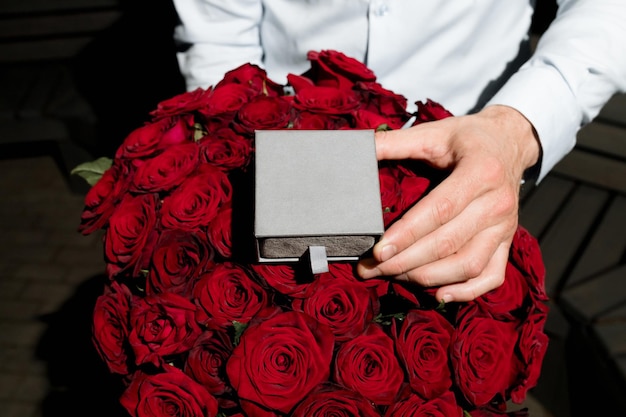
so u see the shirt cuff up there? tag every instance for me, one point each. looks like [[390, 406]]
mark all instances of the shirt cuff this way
[[542, 96]]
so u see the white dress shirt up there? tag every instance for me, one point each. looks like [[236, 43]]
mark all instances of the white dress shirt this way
[[464, 54]]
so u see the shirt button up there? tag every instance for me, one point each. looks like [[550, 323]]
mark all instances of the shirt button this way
[[380, 8]]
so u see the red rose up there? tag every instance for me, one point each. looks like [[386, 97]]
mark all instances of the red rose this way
[[130, 237], [284, 279], [263, 113], [167, 394], [408, 291], [506, 301], [335, 69], [205, 332], [254, 77], [526, 255], [227, 99], [167, 169], [196, 202], [102, 199], [347, 271], [367, 364], [429, 111], [186, 102], [226, 149], [304, 120], [177, 261], [423, 347], [400, 190], [412, 188], [326, 100], [225, 294], [206, 362], [482, 356], [389, 193], [532, 347], [299, 82], [346, 306], [162, 325], [333, 400], [279, 361], [219, 232], [146, 140], [111, 316], [384, 102], [414, 406], [366, 119]]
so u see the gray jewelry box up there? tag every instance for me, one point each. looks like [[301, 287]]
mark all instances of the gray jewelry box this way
[[316, 189]]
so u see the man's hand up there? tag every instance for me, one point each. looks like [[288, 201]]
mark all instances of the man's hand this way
[[458, 236]]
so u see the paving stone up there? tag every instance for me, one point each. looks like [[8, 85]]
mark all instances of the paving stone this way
[[79, 274], [46, 291], [19, 221], [33, 388], [21, 334], [45, 272], [10, 288], [28, 253], [22, 360], [10, 211], [22, 236], [20, 409], [37, 199], [65, 220], [72, 238], [79, 256], [8, 385], [19, 310]]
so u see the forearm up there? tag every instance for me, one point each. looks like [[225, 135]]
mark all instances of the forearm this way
[[578, 65], [216, 36]]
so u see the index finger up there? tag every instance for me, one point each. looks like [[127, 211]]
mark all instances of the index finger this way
[[437, 208], [422, 142]]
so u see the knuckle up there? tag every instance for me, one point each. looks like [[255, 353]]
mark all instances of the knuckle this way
[[408, 229], [392, 267], [444, 247], [507, 202], [473, 267], [443, 210], [421, 277], [473, 294]]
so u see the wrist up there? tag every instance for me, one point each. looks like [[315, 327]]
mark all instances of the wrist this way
[[520, 133]]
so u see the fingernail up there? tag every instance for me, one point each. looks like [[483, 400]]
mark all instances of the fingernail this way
[[447, 298], [367, 269], [403, 277], [387, 252], [370, 273]]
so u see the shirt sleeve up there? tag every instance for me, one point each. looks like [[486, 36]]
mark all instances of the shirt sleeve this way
[[578, 65], [216, 36]]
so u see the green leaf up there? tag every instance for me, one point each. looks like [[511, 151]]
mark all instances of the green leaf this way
[[382, 127], [442, 306], [198, 132], [466, 413], [92, 171], [239, 329], [385, 319]]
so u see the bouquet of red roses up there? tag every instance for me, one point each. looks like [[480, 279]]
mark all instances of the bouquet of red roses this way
[[194, 327]]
